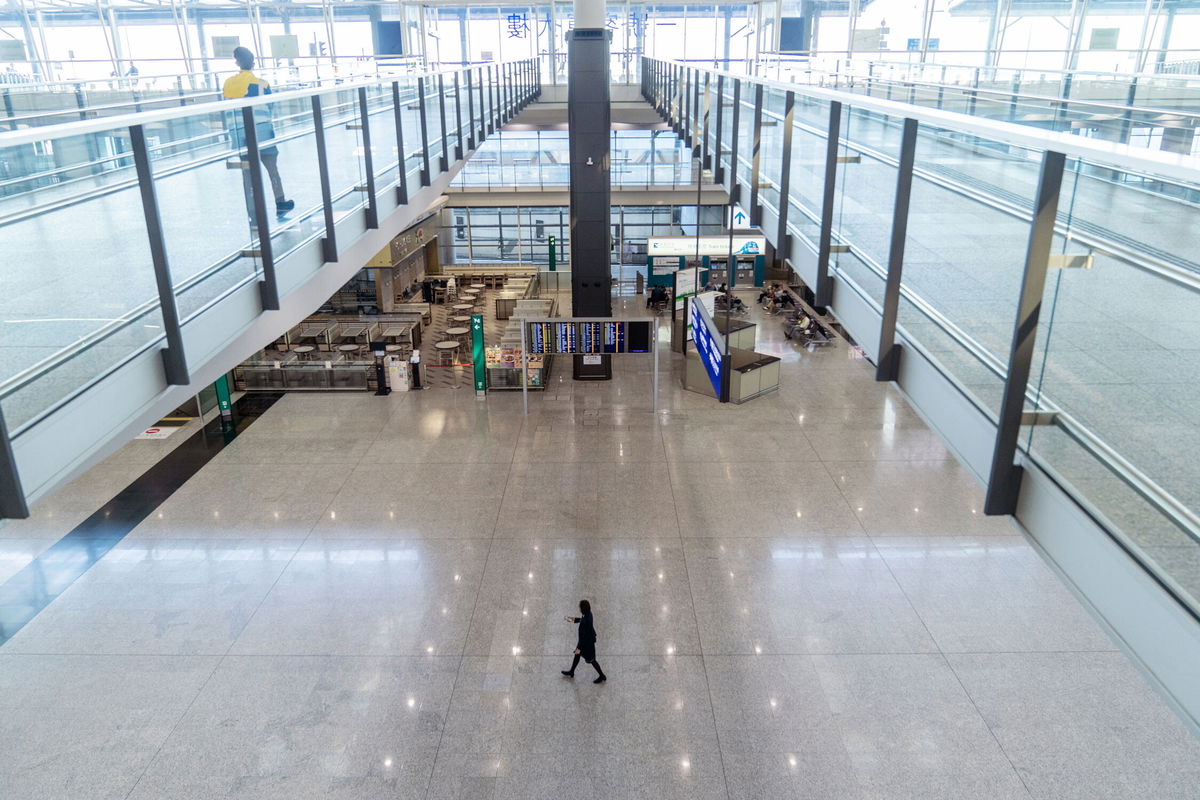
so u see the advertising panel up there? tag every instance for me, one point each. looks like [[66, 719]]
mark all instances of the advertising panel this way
[[743, 244], [708, 343]]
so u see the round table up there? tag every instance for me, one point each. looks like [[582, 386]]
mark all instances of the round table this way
[[392, 348], [447, 348], [457, 332], [462, 306], [303, 349], [464, 319], [346, 348], [478, 286], [468, 295]]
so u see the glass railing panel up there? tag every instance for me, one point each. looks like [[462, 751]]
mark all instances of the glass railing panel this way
[[410, 120], [433, 125], [1132, 387], [866, 186], [207, 209], [74, 275], [964, 257], [383, 135], [746, 134], [808, 154], [771, 146], [343, 143]]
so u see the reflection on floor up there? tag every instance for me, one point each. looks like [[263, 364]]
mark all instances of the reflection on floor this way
[[362, 597]]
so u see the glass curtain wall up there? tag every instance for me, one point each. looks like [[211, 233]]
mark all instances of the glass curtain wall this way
[[1098, 36], [479, 235], [52, 40]]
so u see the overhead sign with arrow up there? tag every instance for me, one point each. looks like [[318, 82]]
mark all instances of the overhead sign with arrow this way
[[736, 218]]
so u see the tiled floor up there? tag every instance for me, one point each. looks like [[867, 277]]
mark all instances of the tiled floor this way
[[362, 597]]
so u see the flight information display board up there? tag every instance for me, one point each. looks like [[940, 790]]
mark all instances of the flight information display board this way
[[565, 337], [614, 337], [541, 334], [590, 337], [617, 336]]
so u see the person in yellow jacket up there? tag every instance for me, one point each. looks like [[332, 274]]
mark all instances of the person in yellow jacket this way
[[247, 84]]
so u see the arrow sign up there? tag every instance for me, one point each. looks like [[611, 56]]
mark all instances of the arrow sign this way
[[738, 218]]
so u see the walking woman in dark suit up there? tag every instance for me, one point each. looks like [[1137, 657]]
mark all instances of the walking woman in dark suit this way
[[585, 648]]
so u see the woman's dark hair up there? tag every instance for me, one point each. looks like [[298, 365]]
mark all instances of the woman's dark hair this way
[[585, 607]]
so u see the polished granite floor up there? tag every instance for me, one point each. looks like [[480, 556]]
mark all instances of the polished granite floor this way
[[362, 597]]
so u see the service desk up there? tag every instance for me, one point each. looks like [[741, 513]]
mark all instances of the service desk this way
[[751, 374], [741, 334]]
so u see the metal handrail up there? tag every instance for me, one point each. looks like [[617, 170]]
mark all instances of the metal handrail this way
[[870, 79], [1108, 154], [75, 111], [860, 58], [81, 127]]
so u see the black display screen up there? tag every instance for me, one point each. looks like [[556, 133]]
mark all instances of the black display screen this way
[[637, 337]]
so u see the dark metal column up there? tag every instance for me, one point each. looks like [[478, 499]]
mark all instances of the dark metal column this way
[[589, 116], [173, 357], [458, 140], [397, 111], [735, 188], [756, 157], [694, 122], [329, 241], [470, 110], [1004, 481], [706, 111], [12, 495], [268, 288], [444, 164], [824, 289], [888, 368], [425, 174], [491, 89], [718, 170], [783, 239], [368, 160], [483, 106]]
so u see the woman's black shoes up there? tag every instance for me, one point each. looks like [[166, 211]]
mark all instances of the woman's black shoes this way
[[601, 679], [568, 673]]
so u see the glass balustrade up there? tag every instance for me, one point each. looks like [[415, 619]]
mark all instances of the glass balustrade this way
[[1113, 375], [81, 293]]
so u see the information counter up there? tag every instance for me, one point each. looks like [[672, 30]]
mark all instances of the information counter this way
[[741, 334], [752, 374]]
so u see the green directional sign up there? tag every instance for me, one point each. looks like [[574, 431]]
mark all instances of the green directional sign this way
[[223, 394], [553, 256], [477, 354]]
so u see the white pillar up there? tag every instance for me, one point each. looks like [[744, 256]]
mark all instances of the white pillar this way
[[589, 14]]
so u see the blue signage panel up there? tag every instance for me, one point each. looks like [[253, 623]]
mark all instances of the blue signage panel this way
[[706, 345]]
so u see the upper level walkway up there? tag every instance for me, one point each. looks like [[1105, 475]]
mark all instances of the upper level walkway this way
[[138, 257]]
